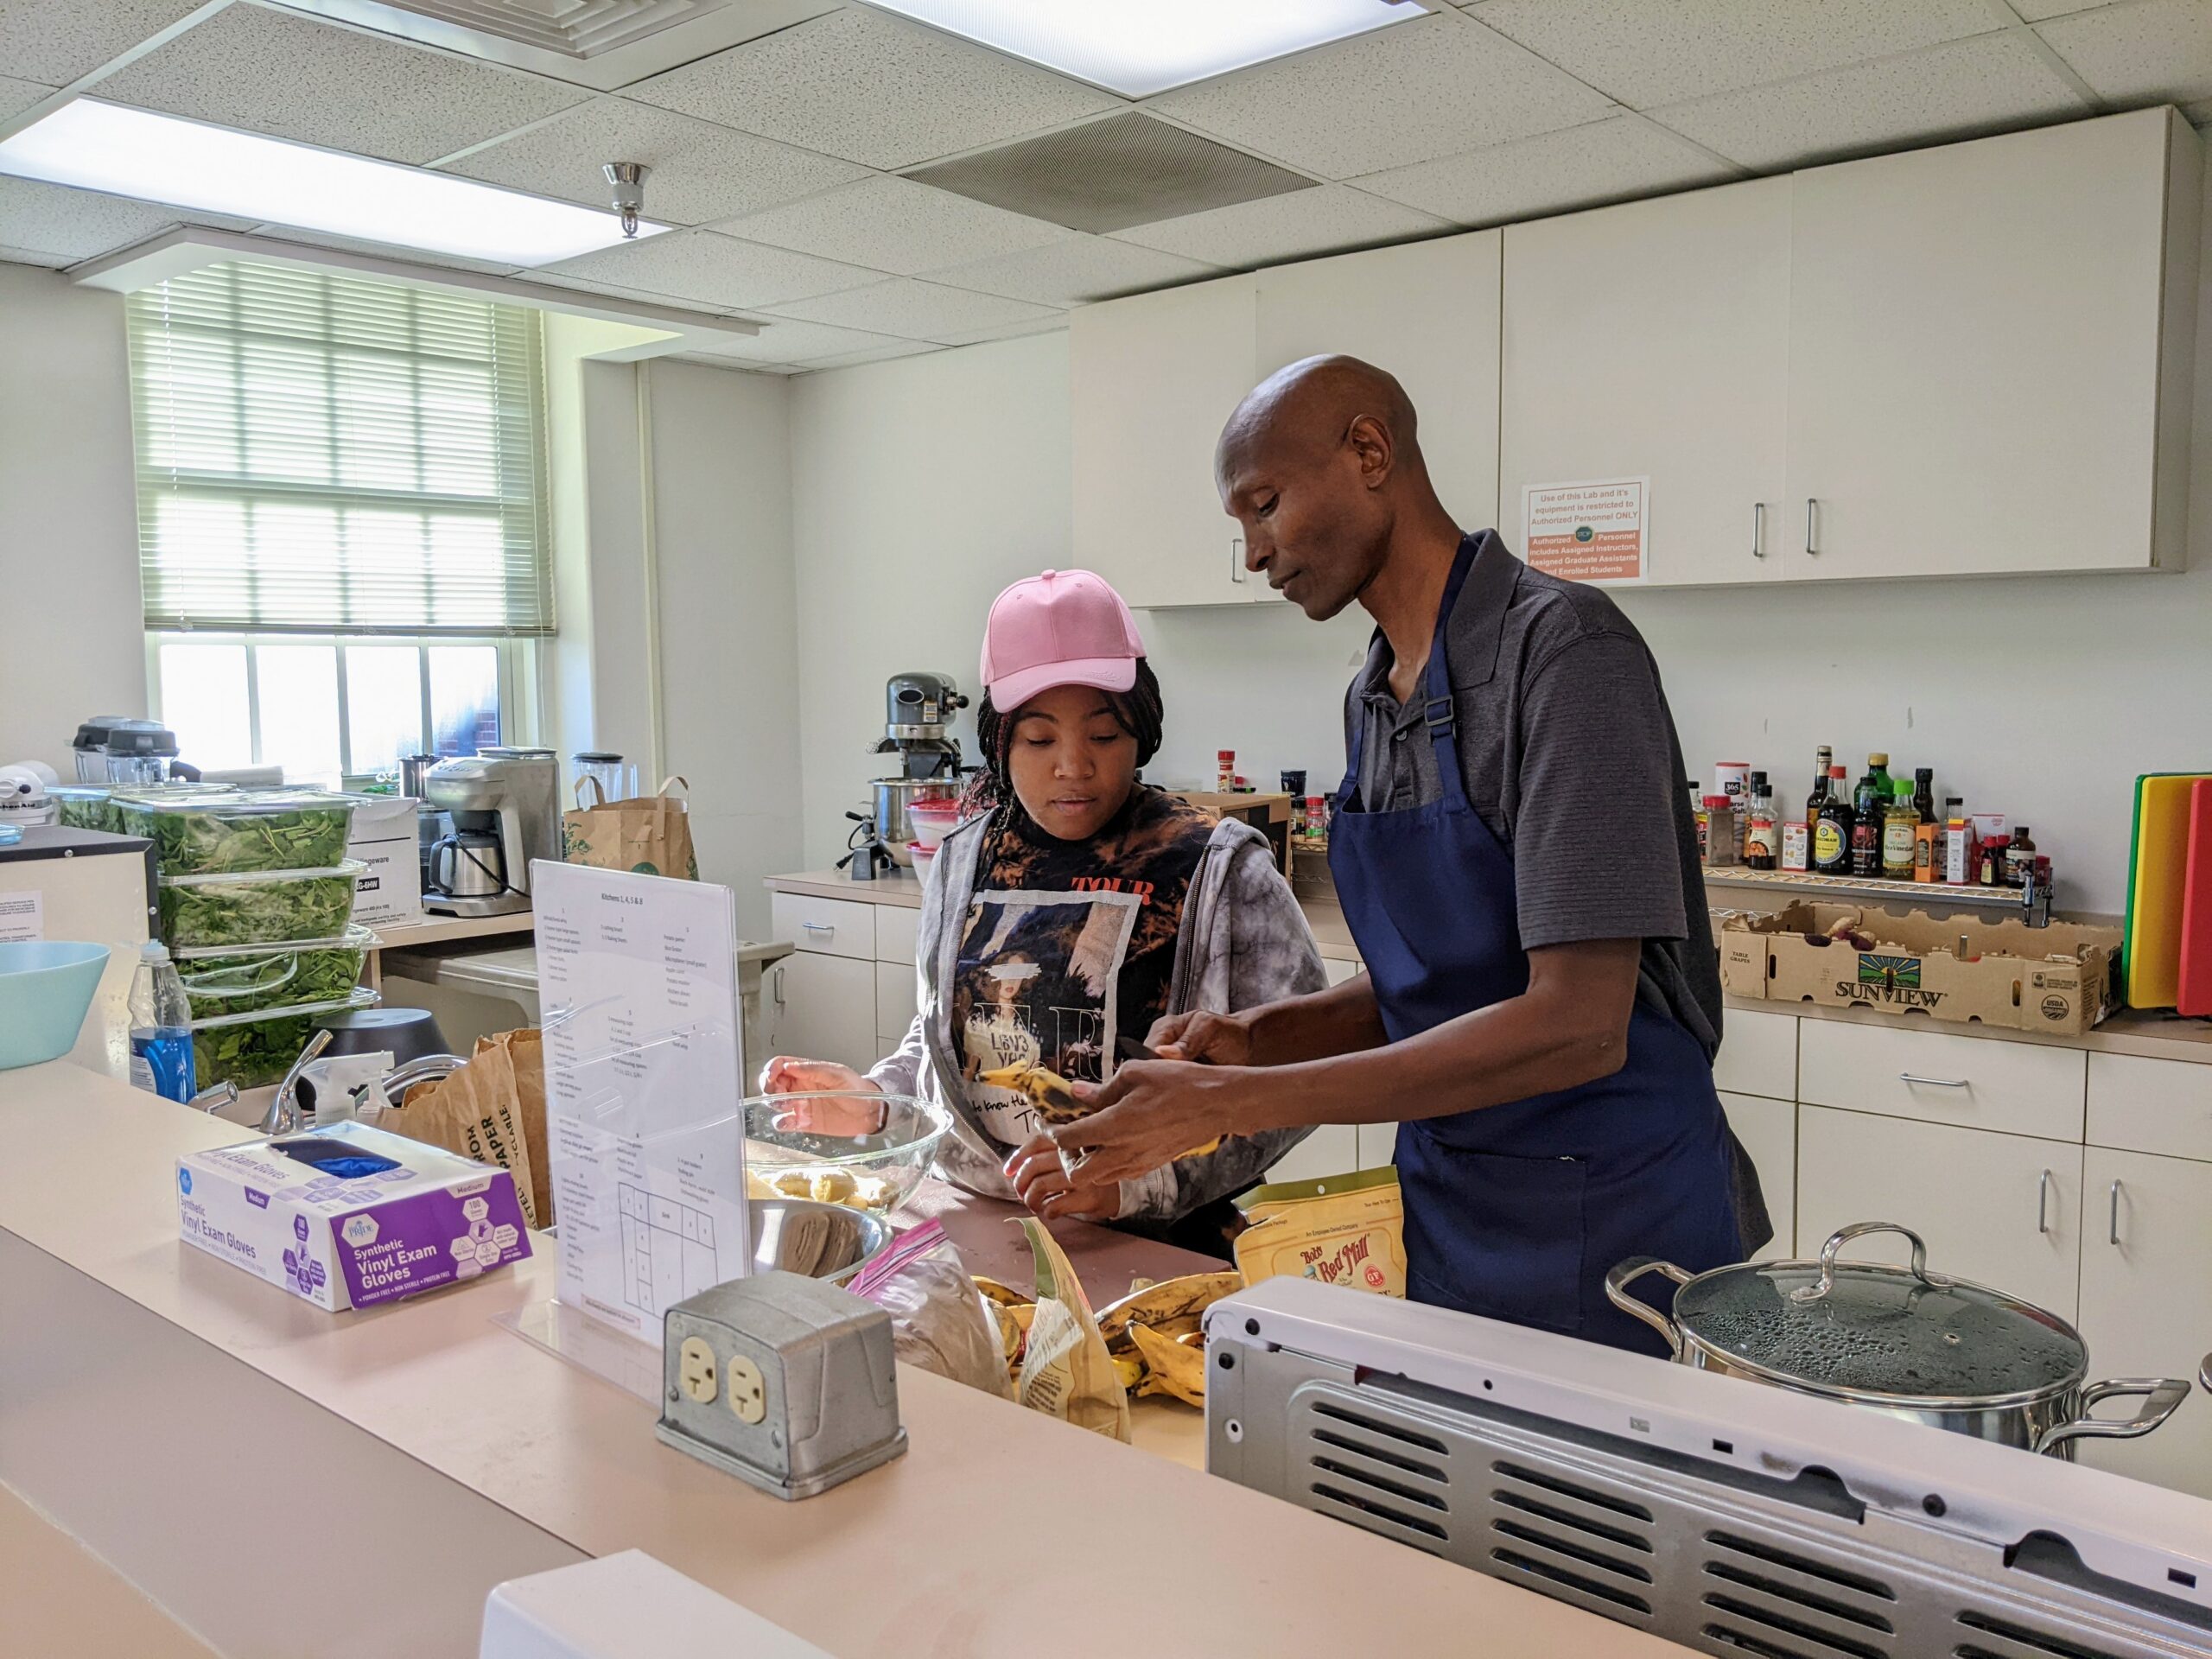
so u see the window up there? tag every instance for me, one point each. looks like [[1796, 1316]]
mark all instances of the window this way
[[341, 520]]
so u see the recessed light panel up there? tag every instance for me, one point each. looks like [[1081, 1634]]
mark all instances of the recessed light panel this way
[[189, 164], [1137, 48]]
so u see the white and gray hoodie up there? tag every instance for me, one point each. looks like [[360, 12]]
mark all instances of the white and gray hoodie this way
[[1244, 941]]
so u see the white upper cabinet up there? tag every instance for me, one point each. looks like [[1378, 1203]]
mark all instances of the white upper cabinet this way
[[1153, 378], [1652, 341], [1990, 353], [1428, 312]]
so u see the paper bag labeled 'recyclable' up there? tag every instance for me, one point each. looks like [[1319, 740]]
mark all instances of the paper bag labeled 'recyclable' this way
[[493, 1111]]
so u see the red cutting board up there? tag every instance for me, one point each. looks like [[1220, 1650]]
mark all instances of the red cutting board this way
[[2196, 995]]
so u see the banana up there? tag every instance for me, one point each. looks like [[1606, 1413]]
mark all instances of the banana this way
[[1129, 1370], [1171, 1368], [1168, 1303], [1012, 1335], [1000, 1294]]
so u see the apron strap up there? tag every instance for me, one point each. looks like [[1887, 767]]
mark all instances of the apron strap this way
[[1438, 712]]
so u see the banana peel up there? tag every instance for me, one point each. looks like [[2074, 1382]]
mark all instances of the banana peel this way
[[1172, 1368], [1170, 1306], [1054, 1097]]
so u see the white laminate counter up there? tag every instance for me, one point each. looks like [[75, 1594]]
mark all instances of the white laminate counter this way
[[282, 1480]]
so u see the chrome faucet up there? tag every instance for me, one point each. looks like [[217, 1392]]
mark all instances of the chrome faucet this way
[[283, 1116]]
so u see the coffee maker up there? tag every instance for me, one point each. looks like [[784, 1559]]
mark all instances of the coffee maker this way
[[503, 804], [918, 710]]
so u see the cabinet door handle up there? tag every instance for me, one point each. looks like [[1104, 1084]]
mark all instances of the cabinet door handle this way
[[1236, 558], [1936, 1083], [1759, 529], [819, 927], [2111, 1231], [2042, 1202], [1811, 549], [778, 991]]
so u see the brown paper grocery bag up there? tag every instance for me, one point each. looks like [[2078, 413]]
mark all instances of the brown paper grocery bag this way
[[650, 835], [493, 1111]]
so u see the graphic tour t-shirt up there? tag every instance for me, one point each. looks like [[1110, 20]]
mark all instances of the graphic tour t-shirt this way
[[1068, 947]]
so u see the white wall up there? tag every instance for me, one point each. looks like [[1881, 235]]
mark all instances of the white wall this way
[[923, 484], [72, 636]]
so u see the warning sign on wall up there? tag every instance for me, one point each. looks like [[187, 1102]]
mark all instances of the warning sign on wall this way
[[1594, 531]]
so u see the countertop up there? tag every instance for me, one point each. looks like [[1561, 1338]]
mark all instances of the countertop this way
[[1133, 1547]]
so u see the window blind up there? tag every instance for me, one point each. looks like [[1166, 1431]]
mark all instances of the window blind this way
[[320, 452]]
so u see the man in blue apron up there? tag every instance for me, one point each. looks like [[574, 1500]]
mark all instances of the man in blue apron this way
[[1514, 849]]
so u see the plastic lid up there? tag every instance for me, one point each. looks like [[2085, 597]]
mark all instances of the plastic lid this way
[[1880, 758], [2020, 832], [1839, 771], [139, 737], [1716, 803], [1900, 790], [1881, 1330], [356, 937], [222, 801], [1759, 782], [361, 997], [351, 868], [153, 950]]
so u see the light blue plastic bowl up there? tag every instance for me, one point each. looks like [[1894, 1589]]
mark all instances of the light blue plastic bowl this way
[[45, 986]]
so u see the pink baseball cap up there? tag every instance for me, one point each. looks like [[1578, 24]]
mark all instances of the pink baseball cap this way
[[1064, 627]]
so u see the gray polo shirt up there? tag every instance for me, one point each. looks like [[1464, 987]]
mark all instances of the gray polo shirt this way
[[1569, 755]]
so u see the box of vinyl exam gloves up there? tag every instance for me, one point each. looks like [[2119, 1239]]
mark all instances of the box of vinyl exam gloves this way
[[350, 1216]]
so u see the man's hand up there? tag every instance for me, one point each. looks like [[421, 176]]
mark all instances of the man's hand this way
[[845, 1101], [1216, 1038], [1151, 1113], [1041, 1182]]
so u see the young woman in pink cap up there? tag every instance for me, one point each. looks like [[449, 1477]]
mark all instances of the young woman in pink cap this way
[[1072, 910]]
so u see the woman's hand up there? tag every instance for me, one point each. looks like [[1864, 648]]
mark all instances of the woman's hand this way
[[853, 1111], [1041, 1182], [1151, 1113], [1216, 1038]]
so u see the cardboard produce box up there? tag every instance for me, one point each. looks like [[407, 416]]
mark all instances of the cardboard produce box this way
[[385, 838], [2057, 979]]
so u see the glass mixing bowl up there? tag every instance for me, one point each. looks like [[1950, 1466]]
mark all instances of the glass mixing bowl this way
[[873, 1172]]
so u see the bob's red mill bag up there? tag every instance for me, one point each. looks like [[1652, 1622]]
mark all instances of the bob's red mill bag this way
[[1342, 1230]]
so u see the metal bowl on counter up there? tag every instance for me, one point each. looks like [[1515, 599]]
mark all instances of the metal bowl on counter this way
[[1902, 1341], [828, 1242]]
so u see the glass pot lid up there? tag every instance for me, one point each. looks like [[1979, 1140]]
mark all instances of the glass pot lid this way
[[1861, 1329]]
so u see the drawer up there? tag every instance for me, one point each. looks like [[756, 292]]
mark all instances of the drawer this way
[[1974, 1082], [896, 992], [1330, 1149], [1768, 1129], [1758, 1055], [821, 1007], [2143, 1105], [1339, 971], [834, 927], [1378, 1145], [895, 928]]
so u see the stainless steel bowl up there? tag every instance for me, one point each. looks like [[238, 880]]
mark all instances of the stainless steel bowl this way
[[829, 1242]]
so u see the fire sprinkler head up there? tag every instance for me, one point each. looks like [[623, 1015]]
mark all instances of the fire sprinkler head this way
[[627, 181]]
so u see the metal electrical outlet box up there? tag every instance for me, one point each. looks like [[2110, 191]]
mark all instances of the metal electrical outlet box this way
[[783, 1381]]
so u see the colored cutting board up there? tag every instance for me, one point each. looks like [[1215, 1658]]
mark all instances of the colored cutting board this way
[[2155, 888], [2195, 994]]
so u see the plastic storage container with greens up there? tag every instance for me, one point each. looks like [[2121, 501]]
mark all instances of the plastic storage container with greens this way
[[84, 806], [250, 979], [253, 1049], [257, 907], [259, 830]]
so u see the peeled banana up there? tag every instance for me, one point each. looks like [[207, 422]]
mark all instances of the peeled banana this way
[[1054, 1098]]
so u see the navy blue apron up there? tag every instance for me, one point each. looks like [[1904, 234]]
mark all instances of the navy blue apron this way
[[1517, 1211]]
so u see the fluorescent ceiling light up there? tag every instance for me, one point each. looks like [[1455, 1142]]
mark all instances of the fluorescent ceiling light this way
[[189, 164], [1138, 47]]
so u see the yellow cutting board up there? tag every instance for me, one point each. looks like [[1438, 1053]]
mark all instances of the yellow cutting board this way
[[2161, 864]]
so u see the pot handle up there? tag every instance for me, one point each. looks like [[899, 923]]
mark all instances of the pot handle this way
[[2164, 1393], [1626, 1274], [1843, 1236]]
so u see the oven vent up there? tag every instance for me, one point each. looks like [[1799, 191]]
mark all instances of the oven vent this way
[[2001, 1638], [1571, 1537], [1777, 1603], [1385, 1477]]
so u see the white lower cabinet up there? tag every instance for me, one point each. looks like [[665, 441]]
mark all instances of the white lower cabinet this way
[[822, 1007], [1332, 1149], [2146, 1303], [1768, 1129], [2002, 1210]]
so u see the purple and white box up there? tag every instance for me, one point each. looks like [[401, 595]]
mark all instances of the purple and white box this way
[[350, 1216]]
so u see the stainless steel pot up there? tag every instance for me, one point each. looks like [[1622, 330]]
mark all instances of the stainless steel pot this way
[[1904, 1342], [892, 797]]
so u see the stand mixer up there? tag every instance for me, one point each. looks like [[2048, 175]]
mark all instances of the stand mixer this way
[[505, 811], [918, 710]]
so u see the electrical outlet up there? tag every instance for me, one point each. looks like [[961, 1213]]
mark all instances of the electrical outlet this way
[[694, 1370], [748, 1389]]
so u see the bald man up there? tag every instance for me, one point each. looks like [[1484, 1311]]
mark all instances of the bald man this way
[[1517, 861]]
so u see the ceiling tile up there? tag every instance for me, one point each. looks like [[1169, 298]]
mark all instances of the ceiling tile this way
[[1057, 324], [915, 310], [57, 41], [726, 364], [32, 256], [16, 96], [1605, 160], [895, 224], [1328, 220], [1989, 84], [865, 86], [69, 225], [1649, 54], [715, 270], [1076, 273], [1408, 93], [701, 172], [2036, 11], [270, 72], [2155, 52], [854, 359]]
